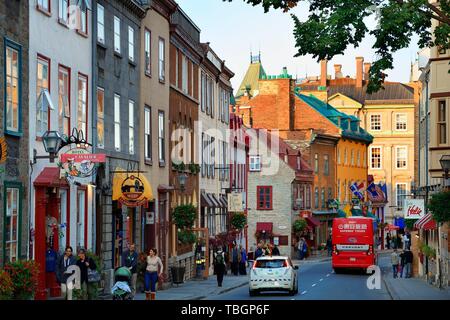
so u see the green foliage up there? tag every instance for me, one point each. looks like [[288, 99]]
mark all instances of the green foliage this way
[[184, 216], [334, 25], [24, 277], [438, 205], [239, 220], [409, 223], [194, 168], [187, 236], [98, 260], [6, 286], [428, 251], [299, 225]]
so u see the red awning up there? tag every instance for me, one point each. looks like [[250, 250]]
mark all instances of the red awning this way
[[49, 177], [313, 222], [426, 222], [266, 226]]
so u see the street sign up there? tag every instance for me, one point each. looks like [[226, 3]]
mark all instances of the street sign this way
[[235, 202], [414, 208]]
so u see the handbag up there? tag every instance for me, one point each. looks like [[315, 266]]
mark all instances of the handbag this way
[[93, 275]]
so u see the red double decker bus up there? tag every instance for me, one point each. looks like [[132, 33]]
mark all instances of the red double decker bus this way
[[353, 242]]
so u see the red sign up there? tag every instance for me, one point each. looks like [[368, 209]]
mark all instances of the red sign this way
[[414, 211], [93, 157]]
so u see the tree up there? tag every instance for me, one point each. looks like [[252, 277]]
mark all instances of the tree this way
[[438, 205], [333, 25]]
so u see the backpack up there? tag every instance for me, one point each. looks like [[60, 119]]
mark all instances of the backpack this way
[[219, 259]]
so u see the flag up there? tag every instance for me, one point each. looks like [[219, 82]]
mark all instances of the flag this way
[[358, 190], [376, 192]]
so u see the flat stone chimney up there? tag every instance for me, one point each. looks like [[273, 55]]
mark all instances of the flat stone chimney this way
[[323, 72], [359, 71]]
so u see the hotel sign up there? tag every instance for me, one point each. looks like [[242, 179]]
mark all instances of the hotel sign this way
[[414, 208], [78, 165]]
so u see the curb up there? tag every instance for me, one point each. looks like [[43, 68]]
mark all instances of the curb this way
[[232, 288]]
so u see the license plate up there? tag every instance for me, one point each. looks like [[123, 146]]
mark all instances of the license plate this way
[[352, 259]]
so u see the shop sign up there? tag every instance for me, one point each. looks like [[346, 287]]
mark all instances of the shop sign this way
[[78, 165], [235, 202], [149, 218], [414, 208]]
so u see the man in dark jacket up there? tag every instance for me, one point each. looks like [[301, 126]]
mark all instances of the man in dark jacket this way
[[65, 261], [84, 262], [408, 263], [259, 251], [130, 260], [402, 263]]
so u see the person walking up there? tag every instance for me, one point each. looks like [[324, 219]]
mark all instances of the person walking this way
[[84, 263], [408, 263], [405, 242], [64, 262], [388, 241], [305, 248], [219, 265], [402, 263], [259, 250], [394, 262], [399, 241], [243, 261], [130, 260], [152, 274], [235, 260], [329, 246], [300, 248], [275, 250]]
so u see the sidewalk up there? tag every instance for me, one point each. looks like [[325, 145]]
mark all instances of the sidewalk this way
[[199, 289], [410, 288]]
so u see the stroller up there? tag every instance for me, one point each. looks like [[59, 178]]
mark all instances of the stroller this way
[[121, 289]]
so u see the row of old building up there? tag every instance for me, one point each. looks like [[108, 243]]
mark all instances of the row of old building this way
[[130, 98]]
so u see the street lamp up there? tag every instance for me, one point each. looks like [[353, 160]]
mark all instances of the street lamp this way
[[53, 142], [182, 179], [445, 164]]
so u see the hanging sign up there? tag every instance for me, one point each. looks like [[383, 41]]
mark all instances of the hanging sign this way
[[131, 189], [414, 208], [149, 217], [78, 165], [235, 202]]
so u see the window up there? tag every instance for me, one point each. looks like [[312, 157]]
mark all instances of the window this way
[[401, 193], [442, 122], [63, 12], [162, 59], [227, 106], [308, 197], [358, 158], [44, 5], [42, 83], [116, 34], [100, 23], [316, 197], [83, 20], [255, 163], [204, 146], [64, 100], [161, 140], [12, 223], [322, 197], [131, 125], [209, 96], [316, 163], [352, 157], [400, 121], [345, 156], [203, 91], [213, 156], [339, 155], [264, 198], [147, 49], [330, 194], [364, 159], [117, 122], [82, 104], [184, 74], [375, 122], [130, 43], [375, 157], [339, 189], [13, 87], [401, 156], [148, 133], [326, 166], [100, 117]]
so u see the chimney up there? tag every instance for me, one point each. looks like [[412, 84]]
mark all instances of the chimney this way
[[337, 71], [323, 72], [366, 70], [359, 71]]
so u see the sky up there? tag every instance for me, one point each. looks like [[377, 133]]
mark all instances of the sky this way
[[234, 29]]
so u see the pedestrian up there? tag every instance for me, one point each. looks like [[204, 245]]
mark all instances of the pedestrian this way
[[259, 250], [305, 248], [235, 259], [275, 250], [243, 261], [152, 274], [405, 242], [64, 262], [84, 263], [408, 263], [409, 240], [394, 262], [402, 263], [388, 241], [266, 250], [219, 265], [329, 246], [399, 241], [300, 248], [130, 260]]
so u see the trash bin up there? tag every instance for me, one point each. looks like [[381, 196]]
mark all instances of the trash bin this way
[[177, 274]]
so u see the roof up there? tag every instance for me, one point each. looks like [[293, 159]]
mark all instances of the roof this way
[[348, 124], [254, 73]]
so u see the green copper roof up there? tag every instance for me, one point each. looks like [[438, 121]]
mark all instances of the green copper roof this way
[[348, 124], [255, 72]]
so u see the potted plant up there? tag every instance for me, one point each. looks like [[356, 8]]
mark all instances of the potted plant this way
[[239, 220], [24, 277], [300, 226], [6, 286]]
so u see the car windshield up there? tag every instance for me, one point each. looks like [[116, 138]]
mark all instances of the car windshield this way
[[279, 263]]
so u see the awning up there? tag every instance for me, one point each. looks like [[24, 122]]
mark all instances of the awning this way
[[225, 200], [222, 201], [50, 177], [426, 222], [131, 188], [264, 226], [205, 201], [313, 222], [216, 202]]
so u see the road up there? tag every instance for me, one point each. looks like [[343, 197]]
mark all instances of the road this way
[[317, 281]]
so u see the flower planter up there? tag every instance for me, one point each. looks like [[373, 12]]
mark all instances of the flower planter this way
[[178, 274]]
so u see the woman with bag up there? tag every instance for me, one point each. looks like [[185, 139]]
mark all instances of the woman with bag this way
[[152, 274], [88, 274]]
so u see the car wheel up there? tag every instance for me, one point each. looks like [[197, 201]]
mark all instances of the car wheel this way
[[296, 288]]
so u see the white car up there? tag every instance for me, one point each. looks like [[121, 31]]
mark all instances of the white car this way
[[276, 273]]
